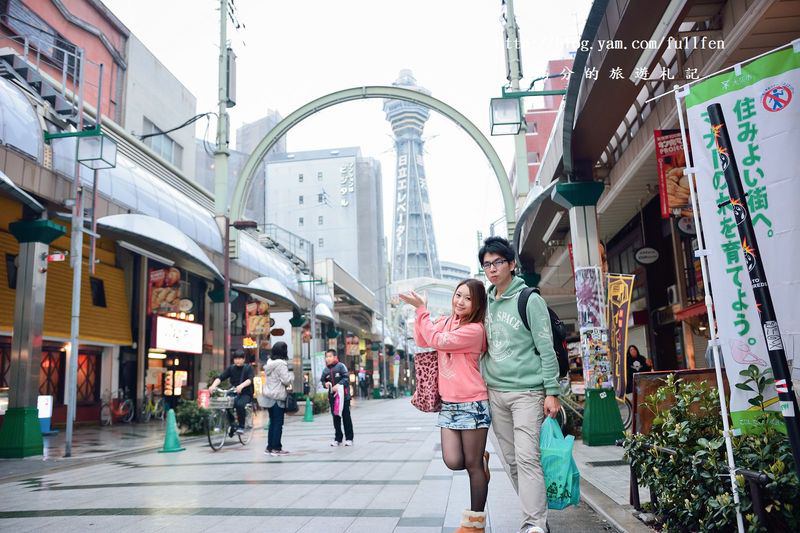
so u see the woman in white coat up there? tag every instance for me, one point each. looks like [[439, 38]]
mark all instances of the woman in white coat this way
[[274, 393]]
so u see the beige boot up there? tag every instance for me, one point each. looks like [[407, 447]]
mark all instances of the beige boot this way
[[472, 522]]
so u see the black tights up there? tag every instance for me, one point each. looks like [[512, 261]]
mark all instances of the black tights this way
[[463, 449]]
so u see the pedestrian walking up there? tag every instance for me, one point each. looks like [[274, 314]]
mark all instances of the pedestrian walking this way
[[275, 390], [460, 340], [521, 373], [336, 379]]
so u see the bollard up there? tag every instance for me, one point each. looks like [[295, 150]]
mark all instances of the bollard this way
[[309, 414], [171, 441]]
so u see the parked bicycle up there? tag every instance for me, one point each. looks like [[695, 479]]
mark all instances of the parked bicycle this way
[[116, 407], [152, 408], [572, 406], [221, 420]]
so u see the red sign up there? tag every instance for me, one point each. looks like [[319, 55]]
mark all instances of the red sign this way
[[203, 398], [673, 186]]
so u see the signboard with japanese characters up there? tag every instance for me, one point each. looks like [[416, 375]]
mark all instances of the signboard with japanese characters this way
[[673, 186], [177, 335], [762, 111], [347, 183]]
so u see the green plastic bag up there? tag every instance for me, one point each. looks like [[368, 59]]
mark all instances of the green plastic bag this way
[[562, 480]]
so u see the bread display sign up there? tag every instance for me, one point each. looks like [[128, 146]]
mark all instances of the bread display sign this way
[[257, 318], [673, 186], [164, 289]]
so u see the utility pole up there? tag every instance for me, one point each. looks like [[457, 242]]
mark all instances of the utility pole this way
[[221, 177], [514, 75]]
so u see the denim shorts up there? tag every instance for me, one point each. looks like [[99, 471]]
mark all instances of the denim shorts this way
[[466, 415]]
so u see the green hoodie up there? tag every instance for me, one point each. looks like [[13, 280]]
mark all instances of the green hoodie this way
[[512, 363]]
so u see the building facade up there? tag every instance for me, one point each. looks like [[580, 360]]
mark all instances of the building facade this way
[[454, 271], [414, 252], [332, 198]]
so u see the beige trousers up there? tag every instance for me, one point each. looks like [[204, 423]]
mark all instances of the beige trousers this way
[[517, 420]]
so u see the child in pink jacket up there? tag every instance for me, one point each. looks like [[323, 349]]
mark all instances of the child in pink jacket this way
[[460, 340]]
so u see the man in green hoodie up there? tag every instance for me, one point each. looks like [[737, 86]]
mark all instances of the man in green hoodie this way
[[523, 384]]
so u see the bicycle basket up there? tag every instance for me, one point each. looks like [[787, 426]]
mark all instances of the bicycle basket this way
[[221, 402]]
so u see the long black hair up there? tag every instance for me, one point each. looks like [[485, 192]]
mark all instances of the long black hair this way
[[638, 352], [279, 351]]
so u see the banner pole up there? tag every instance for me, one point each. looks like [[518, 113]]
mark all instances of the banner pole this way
[[758, 279], [702, 254]]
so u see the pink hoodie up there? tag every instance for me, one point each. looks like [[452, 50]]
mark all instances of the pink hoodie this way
[[459, 349]]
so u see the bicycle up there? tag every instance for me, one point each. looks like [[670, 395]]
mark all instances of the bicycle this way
[[152, 409], [569, 399], [219, 423], [117, 407]]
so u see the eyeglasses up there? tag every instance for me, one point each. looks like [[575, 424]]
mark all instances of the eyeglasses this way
[[497, 263]]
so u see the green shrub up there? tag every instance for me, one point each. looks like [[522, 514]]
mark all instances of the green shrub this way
[[191, 417], [692, 488], [320, 401]]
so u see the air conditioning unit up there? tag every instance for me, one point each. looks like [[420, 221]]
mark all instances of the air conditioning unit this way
[[672, 295]]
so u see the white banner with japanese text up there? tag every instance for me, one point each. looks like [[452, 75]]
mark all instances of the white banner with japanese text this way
[[762, 111]]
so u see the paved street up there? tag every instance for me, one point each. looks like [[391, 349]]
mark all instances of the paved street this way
[[393, 479]]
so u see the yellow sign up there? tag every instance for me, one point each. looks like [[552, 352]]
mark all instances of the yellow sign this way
[[249, 343]]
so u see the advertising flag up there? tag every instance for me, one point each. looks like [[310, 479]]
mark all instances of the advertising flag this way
[[762, 109]]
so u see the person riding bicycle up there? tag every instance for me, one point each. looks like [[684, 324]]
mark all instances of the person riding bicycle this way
[[241, 378]]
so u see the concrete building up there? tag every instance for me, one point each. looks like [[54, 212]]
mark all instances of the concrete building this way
[[540, 120], [332, 198], [248, 135], [414, 251], [156, 101], [454, 271], [247, 138]]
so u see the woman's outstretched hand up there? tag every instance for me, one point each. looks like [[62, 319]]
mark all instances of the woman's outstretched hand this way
[[413, 299]]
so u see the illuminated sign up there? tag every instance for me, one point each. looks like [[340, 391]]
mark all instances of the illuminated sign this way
[[178, 335]]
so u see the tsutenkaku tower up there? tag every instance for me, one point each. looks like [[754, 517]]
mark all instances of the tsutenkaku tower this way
[[414, 244]]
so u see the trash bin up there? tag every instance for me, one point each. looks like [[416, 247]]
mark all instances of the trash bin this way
[[376, 394]]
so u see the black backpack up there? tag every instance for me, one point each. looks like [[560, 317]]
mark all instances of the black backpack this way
[[556, 326]]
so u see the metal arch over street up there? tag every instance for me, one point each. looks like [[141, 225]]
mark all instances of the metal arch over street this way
[[244, 182]]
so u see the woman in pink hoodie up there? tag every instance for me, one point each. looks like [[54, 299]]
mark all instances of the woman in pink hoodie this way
[[460, 340]]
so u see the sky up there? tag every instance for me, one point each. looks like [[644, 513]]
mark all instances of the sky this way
[[290, 53]]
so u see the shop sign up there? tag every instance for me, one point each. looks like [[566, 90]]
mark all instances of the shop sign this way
[[249, 344], [203, 398], [178, 335], [164, 290], [673, 186], [646, 255], [185, 305], [257, 318], [347, 183]]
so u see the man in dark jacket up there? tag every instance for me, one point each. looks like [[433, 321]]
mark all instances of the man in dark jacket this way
[[335, 373], [240, 375]]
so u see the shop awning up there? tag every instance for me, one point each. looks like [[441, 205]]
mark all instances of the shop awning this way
[[143, 234], [271, 289], [535, 221], [323, 311], [9, 188], [698, 309]]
